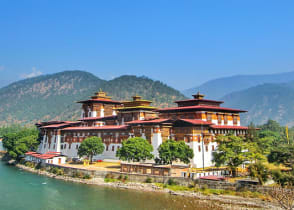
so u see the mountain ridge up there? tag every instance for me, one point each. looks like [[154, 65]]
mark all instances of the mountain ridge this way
[[53, 96], [264, 102], [217, 88]]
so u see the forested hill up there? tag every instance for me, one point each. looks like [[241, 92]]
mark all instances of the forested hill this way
[[53, 97], [263, 102]]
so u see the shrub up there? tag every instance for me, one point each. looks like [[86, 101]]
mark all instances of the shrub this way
[[38, 166], [109, 176], [60, 172], [171, 182], [148, 180], [120, 177], [22, 161], [204, 187], [53, 170], [87, 176], [30, 164], [77, 174], [126, 177]]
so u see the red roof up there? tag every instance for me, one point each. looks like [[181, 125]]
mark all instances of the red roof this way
[[60, 125], [53, 153], [196, 122], [201, 108], [148, 121], [106, 127], [100, 100], [97, 118], [229, 127], [214, 178], [193, 99], [47, 155]]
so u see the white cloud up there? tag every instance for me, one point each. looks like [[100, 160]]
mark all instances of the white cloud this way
[[34, 73]]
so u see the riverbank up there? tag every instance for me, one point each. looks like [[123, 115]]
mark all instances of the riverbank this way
[[222, 201]]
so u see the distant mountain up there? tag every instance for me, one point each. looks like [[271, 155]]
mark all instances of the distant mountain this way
[[124, 87], [263, 102], [218, 88], [53, 97]]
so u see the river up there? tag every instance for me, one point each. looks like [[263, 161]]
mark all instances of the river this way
[[21, 190]]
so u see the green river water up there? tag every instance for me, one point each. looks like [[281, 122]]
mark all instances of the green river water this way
[[20, 190]]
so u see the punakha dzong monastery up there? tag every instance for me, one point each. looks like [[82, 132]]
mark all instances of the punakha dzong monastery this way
[[197, 121]]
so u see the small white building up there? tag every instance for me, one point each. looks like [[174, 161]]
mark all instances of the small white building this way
[[49, 157]]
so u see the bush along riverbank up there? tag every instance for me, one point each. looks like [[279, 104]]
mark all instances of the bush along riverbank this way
[[224, 198]]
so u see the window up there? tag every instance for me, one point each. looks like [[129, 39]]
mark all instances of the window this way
[[209, 117], [225, 119], [106, 147], [235, 120], [65, 146], [112, 148], [77, 146], [61, 146], [199, 148], [212, 147], [206, 148], [219, 119], [54, 146], [69, 147]]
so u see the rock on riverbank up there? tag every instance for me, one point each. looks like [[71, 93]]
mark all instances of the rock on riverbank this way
[[224, 201]]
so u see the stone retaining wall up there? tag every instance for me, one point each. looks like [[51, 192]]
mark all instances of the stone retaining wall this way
[[164, 179]]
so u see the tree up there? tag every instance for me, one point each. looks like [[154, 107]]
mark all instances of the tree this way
[[135, 149], [90, 147], [260, 171], [232, 151], [19, 142], [272, 126], [284, 197], [172, 150], [283, 154]]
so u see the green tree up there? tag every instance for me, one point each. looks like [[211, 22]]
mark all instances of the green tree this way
[[135, 149], [19, 142], [172, 150], [90, 147], [260, 171], [272, 126], [232, 151], [283, 154]]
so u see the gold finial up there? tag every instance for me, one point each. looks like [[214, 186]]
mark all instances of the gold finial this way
[[136, 97], [198, 95]]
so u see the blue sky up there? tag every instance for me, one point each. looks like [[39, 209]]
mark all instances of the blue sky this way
[[182, 43]]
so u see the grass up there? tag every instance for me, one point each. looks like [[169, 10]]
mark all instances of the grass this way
[[111, 180], [206, 191]]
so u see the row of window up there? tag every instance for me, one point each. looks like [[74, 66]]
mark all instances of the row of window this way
[[94, 134], [69, 146], [206, 148], [224, 131], [112, 148]]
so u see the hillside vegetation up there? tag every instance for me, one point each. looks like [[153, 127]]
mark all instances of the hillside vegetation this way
[[263, 102], [53, 97]]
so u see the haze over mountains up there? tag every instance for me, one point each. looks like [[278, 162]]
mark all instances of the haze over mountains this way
[[218, 88], [53, 97], [263, 102]]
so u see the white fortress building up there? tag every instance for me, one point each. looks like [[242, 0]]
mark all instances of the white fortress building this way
[[196, 121]]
